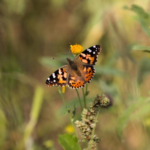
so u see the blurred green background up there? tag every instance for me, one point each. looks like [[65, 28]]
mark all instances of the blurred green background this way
[[32, 33]]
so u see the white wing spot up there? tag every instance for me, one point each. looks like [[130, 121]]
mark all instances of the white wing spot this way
[[89, 50], [93, 52], [53, 75], [54, 80], [94, 46], [48, 79], [59, 71]]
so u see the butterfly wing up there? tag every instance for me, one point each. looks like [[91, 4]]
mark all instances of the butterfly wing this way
[[89, 56], [75, 81], [88, 73], [58, 78], [65, 76]]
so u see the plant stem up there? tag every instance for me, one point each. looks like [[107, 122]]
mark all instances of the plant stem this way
[[86, 89], [34, 114], [71, 119], [61, 94], [79, 99], [84, 98]]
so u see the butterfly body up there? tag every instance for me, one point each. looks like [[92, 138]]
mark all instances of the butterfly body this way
[[72, 64], [77, 72]]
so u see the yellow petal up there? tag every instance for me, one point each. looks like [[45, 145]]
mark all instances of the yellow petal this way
[[69, 129], [63, 89], [76, 49]]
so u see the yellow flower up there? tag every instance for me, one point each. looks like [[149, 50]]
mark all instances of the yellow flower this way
[[49, 143], [69, 129], [63, 89], [76, 49]]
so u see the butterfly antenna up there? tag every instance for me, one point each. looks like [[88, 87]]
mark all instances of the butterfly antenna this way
[[69, 47], [55, 58]]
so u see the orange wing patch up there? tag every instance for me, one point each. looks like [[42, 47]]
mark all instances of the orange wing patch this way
[[87, 58], [58, 78], [62, 76], [92, 60], [89, 72], [76, 84], [83, 60]]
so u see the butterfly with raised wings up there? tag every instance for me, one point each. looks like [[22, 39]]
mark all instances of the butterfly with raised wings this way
[[77, 72]]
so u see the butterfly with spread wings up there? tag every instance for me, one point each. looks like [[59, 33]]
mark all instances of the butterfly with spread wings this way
[[77, 72]]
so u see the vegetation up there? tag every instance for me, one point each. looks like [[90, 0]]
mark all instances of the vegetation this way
[[34, 42]]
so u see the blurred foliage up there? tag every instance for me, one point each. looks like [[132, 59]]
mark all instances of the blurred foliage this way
[[141, 48], [69, 142], [143, 18], [126, 116], [34, 42]]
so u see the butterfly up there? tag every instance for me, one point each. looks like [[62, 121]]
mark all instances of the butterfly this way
[[77, 72]]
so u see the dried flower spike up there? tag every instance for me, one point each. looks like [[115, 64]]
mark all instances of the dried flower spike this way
[[87, 125], [105, 101], [89, 120]]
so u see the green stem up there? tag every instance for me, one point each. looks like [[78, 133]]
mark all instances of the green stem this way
[[84, 98], [79, 99], [34, 114], [61, 94], [86, 89], [71, 119]]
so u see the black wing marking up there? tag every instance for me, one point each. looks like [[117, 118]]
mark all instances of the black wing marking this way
[[58, 78], [89, 56]]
